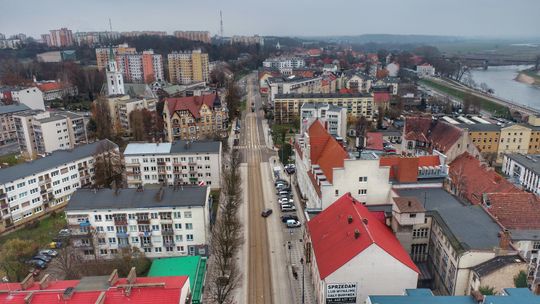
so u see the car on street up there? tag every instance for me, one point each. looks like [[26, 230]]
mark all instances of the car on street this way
[[293, 224], [290, 171], [285, 193], [286, 200], [280, 181], [266, 212], [285, 218], [48, 252], [37, 263], [44, 258], [287, 208]]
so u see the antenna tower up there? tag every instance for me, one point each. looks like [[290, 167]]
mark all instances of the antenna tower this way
[[221, 23]]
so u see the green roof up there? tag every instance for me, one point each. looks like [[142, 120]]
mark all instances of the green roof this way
[[192, 266]]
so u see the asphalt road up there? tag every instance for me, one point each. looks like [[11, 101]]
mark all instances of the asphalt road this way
[[254, 151]]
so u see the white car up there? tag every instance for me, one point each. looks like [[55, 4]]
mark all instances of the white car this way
[[286, 208], [285, 200], [293, 224]]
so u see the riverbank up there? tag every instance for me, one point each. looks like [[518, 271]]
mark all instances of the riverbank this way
[[486, 104], [528, 77]]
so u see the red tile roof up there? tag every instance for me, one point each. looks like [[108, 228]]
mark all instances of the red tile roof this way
[[474, 179], [50, 86], [405, 169], [325, 150], [515, 210], [374, 141], [169, 293], [333, 238], [192, 104], [345, 91], [439, 134], [429, 161]]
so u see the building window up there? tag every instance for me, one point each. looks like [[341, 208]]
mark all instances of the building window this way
[[412, 215], [97, 218], [157, 249], [187, 214], [362, 179], [337, 192], [536, 245], [189, 226], [189, 237], [420, 233], [362, 191]]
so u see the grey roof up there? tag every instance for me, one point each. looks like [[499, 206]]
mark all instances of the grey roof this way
[[202, 146], [496, 263], [53, 117], [177, 147], [320, 95], [314, 105], [530, 161], [55, 159], [525, 235], [13, 108], [470, 225], [480, 127], [90, 199]]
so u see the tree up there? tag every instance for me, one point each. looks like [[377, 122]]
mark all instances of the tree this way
[[490, 157], [101, 113], [108, 166], [69, 262], [217, 76], [381, 74], [15, 253], [224, 275], [520, 280], [141, 122], [131, 257], [232, 99], [486, 290]]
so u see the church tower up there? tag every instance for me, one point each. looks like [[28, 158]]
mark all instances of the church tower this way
[[115, 80]]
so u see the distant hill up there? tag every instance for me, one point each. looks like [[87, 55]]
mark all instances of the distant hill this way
[[389, 39]]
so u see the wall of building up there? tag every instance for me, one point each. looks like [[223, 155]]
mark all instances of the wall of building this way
[[499, 279], [31, 97], [514, 139]]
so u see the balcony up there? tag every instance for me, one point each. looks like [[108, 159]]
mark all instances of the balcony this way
[[161, 163], [122, 234], [145, 233], [3, 195], [167, 232], [3, 205], [192, 163], [123, 245], [146, 245], [143, 221], [83, 245], [132, 164], [120, 222], [168, 243]]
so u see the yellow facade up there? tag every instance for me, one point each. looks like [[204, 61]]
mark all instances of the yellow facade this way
[[514, 139], [188, 67], [486, 141]]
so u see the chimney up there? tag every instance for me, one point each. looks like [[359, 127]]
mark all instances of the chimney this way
[[101, 298], [28, 298], [68, 293], [113, 278], [504, 239], [27, 282], [350, 219], [409, 203], [356, 233]]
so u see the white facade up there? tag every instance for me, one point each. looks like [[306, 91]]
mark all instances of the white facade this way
[[360, 83], [293, 85], [165, 231], [114, 79], [374, 271], [44, 132], [122, 106], [284, 62], [393, 69], [178, 163], [523, 169], [334, 118], [31, 97], [364, 178], [425, 70], [25, 196]]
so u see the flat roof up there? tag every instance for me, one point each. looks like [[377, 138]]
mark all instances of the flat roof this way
[[320, 95], [91, 199], [480, 127], [13, 108], [55, 159], [471, 226], [181, 146], [192, 266], [53, 117], [530, 161]]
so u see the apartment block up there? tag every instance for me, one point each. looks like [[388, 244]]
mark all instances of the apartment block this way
[[284, 62], [203, 36], [32, 189], [102, 54], [287, 107], [161, 222], [177, 163], [293, 85], [59, 38], [40, 132], [122, 106], [188, 67], [334, 118], [145, 67], [523, 170], [8, 133], [194, 117]]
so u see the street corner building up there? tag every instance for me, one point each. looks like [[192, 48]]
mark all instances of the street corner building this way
[[161, 222], [352, 254]]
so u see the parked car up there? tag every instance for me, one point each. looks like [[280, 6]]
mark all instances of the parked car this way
[[44, 258], [286, 208], [48, 252], [37, 263], [293, 224], [280, 181], [285, 193], [290, 171], [286, 200], [282, 186], [266, 212], [64, 233], [55, 244], [285, 218]]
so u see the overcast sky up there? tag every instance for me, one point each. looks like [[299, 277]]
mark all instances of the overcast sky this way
[[494, 18]]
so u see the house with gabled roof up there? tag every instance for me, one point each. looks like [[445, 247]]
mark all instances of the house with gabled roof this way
[[352, 255], [194, 117]]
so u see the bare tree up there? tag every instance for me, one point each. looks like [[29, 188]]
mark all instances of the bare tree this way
[[458, 181], [68, 262], [103, 118], [108, 165]]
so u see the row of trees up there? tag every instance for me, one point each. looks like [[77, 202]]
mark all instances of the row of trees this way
[[227, 236]]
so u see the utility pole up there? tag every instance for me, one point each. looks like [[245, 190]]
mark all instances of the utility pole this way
[[221, 23]]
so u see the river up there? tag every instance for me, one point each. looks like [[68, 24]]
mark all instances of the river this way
[[501, 79]]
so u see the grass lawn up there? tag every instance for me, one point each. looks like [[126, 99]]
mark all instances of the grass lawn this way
[[486, 105], [277, 130], [42, 235], [11, 159]]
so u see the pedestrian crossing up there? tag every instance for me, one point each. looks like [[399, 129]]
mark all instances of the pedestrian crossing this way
[[250, 147]]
